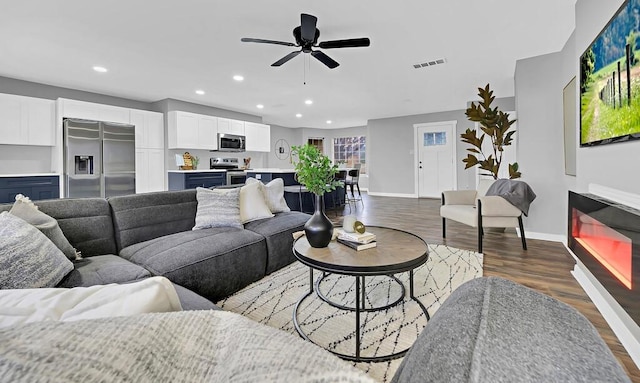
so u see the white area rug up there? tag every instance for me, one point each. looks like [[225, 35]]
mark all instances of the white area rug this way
[[271, 301]]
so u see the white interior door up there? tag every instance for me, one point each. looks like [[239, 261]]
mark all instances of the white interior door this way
[[436, 158]]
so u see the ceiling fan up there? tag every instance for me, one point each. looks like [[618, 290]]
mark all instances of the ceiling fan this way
[[306, 36]]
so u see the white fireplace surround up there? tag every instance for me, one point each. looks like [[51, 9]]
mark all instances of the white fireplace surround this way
[[627, 331]]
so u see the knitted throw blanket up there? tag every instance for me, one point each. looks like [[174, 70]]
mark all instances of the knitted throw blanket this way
[[188, 346]]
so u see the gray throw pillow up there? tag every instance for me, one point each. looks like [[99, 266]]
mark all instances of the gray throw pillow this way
[[273, 193], [218, 208], [28, 259], [29, 212]]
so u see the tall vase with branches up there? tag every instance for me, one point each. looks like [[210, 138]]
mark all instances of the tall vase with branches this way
[[495, 125], [315, 171]]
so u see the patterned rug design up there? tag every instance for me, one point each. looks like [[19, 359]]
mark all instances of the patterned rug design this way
[[271, 301]]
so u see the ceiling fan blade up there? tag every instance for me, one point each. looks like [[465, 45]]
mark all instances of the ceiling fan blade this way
[[286, 58], [348, 43], [263, 41], [326, 60], [308, 27]]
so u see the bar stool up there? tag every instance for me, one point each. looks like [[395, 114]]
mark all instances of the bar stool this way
[[354, 176], [338, 196], [299, 189]]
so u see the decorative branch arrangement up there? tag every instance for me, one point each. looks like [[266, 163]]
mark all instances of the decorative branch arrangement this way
[[495, 125]]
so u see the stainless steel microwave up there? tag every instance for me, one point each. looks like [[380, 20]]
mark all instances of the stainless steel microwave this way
[[231, 143]]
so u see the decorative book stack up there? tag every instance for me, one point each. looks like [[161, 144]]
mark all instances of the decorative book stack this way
[[357, 241]]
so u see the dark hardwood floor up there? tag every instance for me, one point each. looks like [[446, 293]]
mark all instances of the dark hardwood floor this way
[[545, 266]]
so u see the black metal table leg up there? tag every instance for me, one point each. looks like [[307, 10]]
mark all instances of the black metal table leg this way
[[358, 317]]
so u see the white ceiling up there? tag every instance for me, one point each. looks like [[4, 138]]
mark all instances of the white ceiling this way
[[168, 49]]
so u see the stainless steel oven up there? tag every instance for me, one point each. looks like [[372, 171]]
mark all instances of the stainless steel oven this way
[[235, 177]]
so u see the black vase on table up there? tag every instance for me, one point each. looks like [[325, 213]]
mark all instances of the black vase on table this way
[[318, 228]]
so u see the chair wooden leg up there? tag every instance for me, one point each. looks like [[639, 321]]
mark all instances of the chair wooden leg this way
[[444, 228], [524, 241], [480, 231]]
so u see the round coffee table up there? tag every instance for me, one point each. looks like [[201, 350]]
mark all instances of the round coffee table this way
[[396, 252]]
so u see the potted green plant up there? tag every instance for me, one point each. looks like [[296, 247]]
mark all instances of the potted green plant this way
[[495, 125], [315, 171]]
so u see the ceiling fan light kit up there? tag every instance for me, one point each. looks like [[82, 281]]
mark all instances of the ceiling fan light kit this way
[[306, 37]]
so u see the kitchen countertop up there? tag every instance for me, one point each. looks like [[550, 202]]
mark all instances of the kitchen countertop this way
[[198, 171], [31, 175], [270, 170]]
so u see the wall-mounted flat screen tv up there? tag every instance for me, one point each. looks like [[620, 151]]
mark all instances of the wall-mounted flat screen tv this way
[[610, 81]]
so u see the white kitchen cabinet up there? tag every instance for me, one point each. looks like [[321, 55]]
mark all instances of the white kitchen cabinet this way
[[229, 126], [192, 131], [26, 121], [149, 129], [258, 137], [150, 172], [91, 111]]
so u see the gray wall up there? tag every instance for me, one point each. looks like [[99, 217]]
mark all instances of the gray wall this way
[[34, 89], [539, 83], [390, 144], [291, 136]]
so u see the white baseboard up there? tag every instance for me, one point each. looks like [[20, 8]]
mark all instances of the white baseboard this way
[[544, 236], [400, 195], [622, 325]]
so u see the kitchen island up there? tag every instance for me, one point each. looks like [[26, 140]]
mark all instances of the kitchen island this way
[[191, 179], [266, 175]]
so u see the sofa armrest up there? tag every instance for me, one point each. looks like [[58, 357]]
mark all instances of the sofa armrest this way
[[459, 197], [496, 206]]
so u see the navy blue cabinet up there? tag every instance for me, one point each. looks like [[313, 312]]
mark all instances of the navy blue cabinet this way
[[34, 187], [181, 181]]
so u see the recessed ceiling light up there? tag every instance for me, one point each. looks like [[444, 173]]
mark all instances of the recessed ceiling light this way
[[308, 102], [200, 92], [259, 106], [100, 69], [298, 115], [328, 121], [238, 77]]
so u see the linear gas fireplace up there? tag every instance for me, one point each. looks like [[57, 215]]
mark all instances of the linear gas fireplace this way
[[605, 236]]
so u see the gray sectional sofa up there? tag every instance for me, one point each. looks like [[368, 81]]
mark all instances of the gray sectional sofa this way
[[489, 329], [129, 238]]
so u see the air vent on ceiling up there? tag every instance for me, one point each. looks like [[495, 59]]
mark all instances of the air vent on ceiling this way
[[430, 63]]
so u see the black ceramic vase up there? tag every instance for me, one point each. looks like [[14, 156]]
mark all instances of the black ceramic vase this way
[[318, 228]]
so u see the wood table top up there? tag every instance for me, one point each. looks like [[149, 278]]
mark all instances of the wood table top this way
[[396, 251]]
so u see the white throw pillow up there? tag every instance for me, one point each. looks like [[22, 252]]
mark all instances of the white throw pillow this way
[[273, 193], [252, 204], [218, 208], [152, 295], [28, 259]]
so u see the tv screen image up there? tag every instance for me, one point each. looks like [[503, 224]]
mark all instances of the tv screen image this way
[[610, 81]]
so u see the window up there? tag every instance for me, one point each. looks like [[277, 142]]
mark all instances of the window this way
[[317, 142], [434, 138], [350, 151]]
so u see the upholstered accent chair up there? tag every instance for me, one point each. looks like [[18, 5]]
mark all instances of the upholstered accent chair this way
[[474, 208]]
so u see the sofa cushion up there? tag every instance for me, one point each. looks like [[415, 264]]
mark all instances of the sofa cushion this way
[[141, 217], [213, 262], [495, 330], [192, 301], [28, 259], [278, 233], [102, 270], [85, 222]]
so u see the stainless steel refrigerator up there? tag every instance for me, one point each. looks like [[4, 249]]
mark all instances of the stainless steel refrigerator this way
[[100, 159]]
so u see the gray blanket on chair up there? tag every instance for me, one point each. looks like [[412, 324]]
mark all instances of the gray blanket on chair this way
[[518, 193]]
